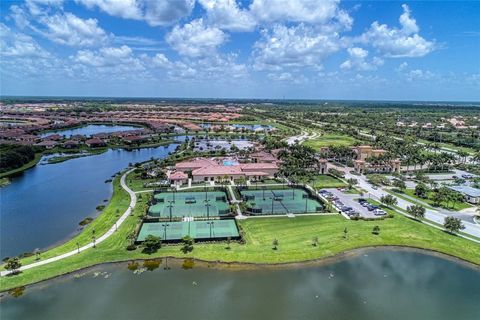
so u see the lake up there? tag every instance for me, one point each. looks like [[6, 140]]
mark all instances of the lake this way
[[373, 284], [43, 205], [249, 127], [91, 129]]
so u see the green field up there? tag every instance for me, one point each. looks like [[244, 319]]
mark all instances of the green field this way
[[457, 206], [325, 181], [294, 236], [330, 139]]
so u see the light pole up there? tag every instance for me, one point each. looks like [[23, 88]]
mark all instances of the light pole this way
[[165, 225], [306, 204], [207, 204], [272, 203], [170, 208], [210, 223]]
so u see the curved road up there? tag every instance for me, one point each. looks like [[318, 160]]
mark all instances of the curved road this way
[[106, 235], [435, 216]]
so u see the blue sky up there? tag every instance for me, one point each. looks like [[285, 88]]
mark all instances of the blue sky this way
[[293, 49]]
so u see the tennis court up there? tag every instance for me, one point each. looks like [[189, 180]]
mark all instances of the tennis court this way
[[198, 230], [189, 204], [280, 201]]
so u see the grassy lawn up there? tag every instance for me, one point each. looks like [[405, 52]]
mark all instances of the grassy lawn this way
[[402, 196], [457, 206], [295, 243], [135, 183], [326, 181], [450, 146], [329, 139]]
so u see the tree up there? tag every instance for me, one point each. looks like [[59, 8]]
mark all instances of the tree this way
[[187, 244], [417, 211], [275, 244], [13, 264], [315, 241], [388, 200], [376, 230], [399, 184], [352, 182], [229, 240], [453, 225], [152, 244], [421, 190], [439, 195]]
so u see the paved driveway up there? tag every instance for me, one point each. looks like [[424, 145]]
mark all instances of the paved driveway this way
[[349, 200]]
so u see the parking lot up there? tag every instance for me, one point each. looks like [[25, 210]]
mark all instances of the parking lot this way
[[349, 204]]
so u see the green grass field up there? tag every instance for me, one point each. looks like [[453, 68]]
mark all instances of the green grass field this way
[[451, 206], [330, 139], [325, 181], [294, 236]]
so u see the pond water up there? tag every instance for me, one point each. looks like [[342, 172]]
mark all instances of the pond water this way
[[43, 205], [373, 285], [91, 129], [208, 145], [250, 127], [8, 123]]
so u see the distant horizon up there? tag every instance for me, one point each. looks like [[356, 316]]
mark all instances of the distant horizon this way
[[86, 97]]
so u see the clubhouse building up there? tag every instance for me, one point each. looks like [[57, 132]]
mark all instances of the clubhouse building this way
[[218, 170]]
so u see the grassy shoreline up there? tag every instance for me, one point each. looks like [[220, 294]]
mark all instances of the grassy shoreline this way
[[26, 166], [294, 235], [237, 265]]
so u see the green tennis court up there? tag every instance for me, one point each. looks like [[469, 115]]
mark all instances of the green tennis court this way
[[189, 204], [198, 230], [280, 201]]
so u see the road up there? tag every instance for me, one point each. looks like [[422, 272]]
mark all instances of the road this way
[[105, 236], [301, 138], [432, 215]]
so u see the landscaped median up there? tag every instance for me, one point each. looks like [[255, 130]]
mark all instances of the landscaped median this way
[[295, 237]]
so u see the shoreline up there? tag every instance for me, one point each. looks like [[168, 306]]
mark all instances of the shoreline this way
[[233, 266]]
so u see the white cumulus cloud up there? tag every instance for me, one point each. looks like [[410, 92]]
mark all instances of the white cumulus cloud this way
[[296, 46], [227, 15], [398, 42], [155, 13], [71, 30], [358, 60], [195, 39]]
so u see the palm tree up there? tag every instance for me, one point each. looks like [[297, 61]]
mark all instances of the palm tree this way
[[417, 211], [275, 244]]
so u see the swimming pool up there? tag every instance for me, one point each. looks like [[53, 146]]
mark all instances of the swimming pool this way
[[229, 162]]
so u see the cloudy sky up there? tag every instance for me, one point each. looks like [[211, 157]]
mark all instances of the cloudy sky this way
[[313, 49]]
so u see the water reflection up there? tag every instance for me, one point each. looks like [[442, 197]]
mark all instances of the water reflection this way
[[380, 285]]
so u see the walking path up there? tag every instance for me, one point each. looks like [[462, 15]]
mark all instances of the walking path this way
[[105, 236]]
